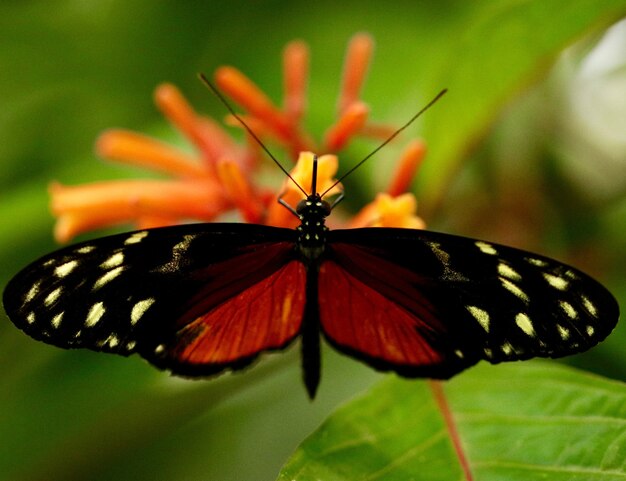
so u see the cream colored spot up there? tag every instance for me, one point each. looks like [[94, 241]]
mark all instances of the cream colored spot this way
[[444, 259], [115, 260], [563, 332], [507, 271], [459, 354], [32, 292], [513, 289], [136, 237], [159, 349], [139, 309], [480, 315], [536, 262], [108, 277], [507, 348], [590, 331], [556, 281], [488, 352], [486, 248], [30, 318], [85, 249], [95, 314], [130, 345], [591, 308], [53, 296], [112, 340], [65, 269], [568, 309], [525, 324], [183, 245], [56, 320]]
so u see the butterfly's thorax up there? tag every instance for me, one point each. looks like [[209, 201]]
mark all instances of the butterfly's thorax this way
[[312, 230]]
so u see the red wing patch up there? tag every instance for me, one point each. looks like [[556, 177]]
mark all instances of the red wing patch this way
[[379, 311], [265, 315]]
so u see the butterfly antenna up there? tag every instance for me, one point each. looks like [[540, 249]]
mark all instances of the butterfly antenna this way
[[314, 179], [222, 99], [389, 139]]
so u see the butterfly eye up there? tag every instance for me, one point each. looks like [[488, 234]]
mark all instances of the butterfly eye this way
[[302, 206]]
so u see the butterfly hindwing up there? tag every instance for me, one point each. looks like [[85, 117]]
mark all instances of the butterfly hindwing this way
[[429, 304], [149, 290]]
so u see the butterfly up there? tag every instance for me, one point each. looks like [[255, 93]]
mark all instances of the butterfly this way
[[200, 299]]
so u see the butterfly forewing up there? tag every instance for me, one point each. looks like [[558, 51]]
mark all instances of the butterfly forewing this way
[[458, 300], [151, 292]]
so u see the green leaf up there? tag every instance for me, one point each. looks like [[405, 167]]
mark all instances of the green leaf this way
[[522, 422], [505, 47]]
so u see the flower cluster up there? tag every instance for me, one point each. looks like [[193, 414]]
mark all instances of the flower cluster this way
[[221, 176]]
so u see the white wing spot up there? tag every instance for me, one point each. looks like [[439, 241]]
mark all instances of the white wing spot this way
[[507, 348], [486, 248], [140, 309], [64, 269], [568, 309], [590, 331], [32, 292], [30, 318], [488, 352], [563, 332], [53, 296], [159, 349], [183, 245], [115, 260], [507, 271], [525, 324], [536, 262], [178, 253], [480, 315], [514, 289], [136, 237], [444, 258], [56, 320], [459, 354], [112, 340], [591, 308], [108, 277], [95, 314], [572, 275], [85, 249], [556, 281]]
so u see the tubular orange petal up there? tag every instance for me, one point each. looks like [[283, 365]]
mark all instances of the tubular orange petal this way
[[132, 148], [180, 199], [295, 73], [404, 174], [243, 91], [174, 106], [239, 191], [351, 121], [355, 68]]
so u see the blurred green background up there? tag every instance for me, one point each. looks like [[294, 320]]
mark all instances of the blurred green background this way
[[528, 148]]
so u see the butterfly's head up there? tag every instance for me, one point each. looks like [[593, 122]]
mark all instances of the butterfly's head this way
[[313, 208]]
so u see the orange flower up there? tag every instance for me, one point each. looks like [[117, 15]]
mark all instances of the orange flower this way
[[221, 175]]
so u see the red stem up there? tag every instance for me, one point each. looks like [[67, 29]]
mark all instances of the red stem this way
[[444, 407]]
